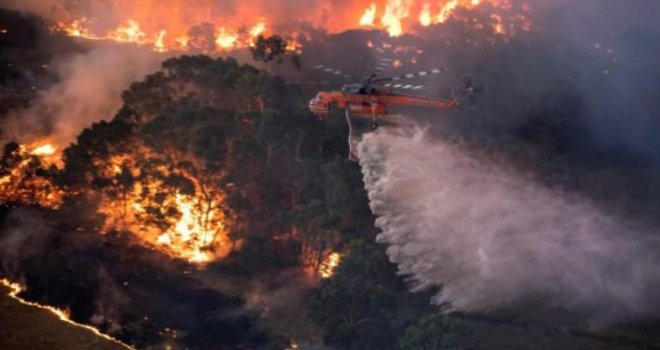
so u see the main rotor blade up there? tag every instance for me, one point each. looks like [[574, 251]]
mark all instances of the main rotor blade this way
[[333, 71], [405, 87], [413, 75], [384, 63]]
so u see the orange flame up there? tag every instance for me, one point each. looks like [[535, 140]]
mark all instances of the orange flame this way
[[146, 24], [193, 228], [369, 16], [23, 177], [329, 264]]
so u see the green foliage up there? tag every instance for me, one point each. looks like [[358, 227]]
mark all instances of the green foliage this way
[[366, 305], [434, 332], [218, 127], [358, 306]]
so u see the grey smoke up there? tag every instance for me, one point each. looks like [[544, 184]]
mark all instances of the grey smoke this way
[[88, 90], [493, 238], [24, 237]]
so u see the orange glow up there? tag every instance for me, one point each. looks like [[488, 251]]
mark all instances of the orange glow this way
[[190, 226], [159, 43], [329, 264], [23, 177], [193, 224], [46, 149], [226, 39], [446, 10], [369, 16], [129, 32], [395, 15], [425, 16], [147, 23], [395, 12]]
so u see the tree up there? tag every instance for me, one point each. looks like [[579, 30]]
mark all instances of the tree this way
[[268, 49], [357, 307], [434, 332]]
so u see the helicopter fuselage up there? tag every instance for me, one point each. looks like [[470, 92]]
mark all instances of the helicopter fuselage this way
[[370, 101]]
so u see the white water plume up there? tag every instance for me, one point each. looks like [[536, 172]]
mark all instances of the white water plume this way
[[493, 238]]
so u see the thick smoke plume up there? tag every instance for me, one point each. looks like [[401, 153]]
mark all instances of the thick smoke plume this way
[[88, 89], [493, 238]]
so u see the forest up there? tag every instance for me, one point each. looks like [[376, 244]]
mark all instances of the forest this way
[[212, 210]]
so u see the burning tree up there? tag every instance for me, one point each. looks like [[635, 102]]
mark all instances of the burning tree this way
[[204, 157], [27, 174], [165, 168]]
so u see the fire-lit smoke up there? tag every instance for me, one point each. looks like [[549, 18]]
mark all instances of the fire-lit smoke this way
[[89, 89], [493, 238]]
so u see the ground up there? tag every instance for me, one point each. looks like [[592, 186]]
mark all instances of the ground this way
[[25, 327]]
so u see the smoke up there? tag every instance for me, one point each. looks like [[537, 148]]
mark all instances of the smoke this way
[[88, 90], [493, 238], [24, 237]]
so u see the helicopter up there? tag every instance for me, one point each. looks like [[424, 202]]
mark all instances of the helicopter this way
[[372, 96]]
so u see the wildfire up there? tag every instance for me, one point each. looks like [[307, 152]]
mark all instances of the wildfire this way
[[147, 24], [164, 39], [189, 226], [226, 39], [425, 16], [395, 14], [369, 16], [15, 289], [26, 174]]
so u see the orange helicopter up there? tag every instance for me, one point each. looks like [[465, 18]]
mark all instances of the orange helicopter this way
[[373, 95]]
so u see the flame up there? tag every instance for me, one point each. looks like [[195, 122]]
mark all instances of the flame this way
[[44, 150], [15, 289], [226, 39], [425, 16], [24, 175], [193, 228], [328, 265], [159, 43], [395, 12], [369, 16], [190, 237], [258, 29], [145, 23], [447, 10], [129, 32]]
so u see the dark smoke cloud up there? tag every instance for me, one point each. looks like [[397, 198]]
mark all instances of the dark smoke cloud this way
[[590, 64], [24, 237]]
